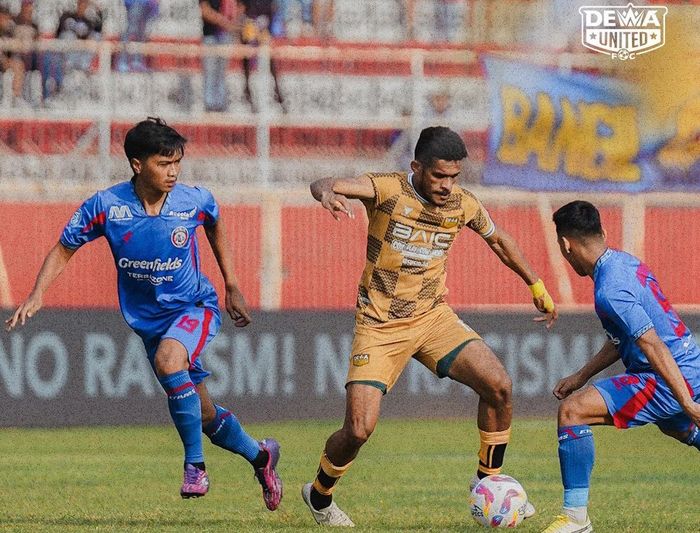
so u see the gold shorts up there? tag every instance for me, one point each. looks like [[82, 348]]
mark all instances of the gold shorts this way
[[381, 352]]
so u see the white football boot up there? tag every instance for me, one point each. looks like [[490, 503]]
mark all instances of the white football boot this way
[[529, 510], [330, 516], [565, 524]]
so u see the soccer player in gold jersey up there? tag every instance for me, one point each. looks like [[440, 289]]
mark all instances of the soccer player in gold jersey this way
[[401, 313]]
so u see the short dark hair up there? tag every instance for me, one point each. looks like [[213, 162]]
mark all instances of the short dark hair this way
[[153, 137], [439, 142], [577, 219]]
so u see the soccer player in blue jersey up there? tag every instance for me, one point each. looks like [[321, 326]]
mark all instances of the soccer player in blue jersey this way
[[150, 223], [662, 382]]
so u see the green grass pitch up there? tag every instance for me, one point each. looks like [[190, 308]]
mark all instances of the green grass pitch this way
[[411, 476]]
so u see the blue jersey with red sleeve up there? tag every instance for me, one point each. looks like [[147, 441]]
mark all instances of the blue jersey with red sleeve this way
[[629, 302], [157, 257]]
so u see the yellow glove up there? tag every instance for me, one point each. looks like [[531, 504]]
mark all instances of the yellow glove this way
[[539, 291]]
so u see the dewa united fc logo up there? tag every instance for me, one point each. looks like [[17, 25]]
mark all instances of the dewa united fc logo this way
[[623, 32]]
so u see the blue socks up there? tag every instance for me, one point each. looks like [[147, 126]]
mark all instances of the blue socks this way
[[227, 433], [694, 437], [186, 412], [576, 457], [185, 409]]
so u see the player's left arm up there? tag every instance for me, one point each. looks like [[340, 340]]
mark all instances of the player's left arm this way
[[234, 301], [508, 251], [662, 361], [605, 357]]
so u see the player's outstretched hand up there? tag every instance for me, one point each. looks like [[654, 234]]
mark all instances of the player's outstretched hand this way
[[568, 385], [544, 303], [336, 204], [236, 307], [548, 318], [27, 309]]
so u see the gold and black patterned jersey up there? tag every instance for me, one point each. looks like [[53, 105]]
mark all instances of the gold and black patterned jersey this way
[[407, 244]]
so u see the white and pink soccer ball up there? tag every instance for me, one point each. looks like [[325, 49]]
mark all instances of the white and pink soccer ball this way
[[498, 501]]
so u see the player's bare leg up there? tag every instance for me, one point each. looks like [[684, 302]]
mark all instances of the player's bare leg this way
[[171, 357], [362, 408], [585, 406], [172, 368], [208, 407], [478, 367]]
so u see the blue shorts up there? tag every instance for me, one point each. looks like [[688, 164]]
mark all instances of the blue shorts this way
[[194, 328], [643, 398]]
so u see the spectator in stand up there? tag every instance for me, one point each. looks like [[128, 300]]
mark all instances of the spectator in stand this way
[[449, 21], [83, 23], [12, 61], [283, 15], [28, 32], [138, 14], [255, 29], [218, 18], [323, 11]]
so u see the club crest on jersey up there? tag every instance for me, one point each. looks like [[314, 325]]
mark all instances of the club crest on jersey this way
[[360, 359], [75, 219], [179, 237], [450, 222]]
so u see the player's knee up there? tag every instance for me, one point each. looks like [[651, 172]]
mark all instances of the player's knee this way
[[501, 390], [357, 434], [357, 438], [569, 412], [169, 361]]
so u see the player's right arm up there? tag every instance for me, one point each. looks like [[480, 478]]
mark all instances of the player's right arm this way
[[54, 263], [607, 355], [334, 194], [663, 363]]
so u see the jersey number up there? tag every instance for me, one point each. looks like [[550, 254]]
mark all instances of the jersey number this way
[[188, 324]]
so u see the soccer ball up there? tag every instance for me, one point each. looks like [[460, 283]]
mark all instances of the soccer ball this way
[[498, 501]]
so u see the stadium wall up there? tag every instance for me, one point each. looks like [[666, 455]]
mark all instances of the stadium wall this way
[[87, 368], [284, 252]]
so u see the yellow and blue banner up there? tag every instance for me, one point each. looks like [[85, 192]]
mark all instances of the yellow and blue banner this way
[[564, 131]]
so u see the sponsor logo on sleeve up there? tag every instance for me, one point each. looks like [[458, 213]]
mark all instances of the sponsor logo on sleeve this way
[[75, 219]]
